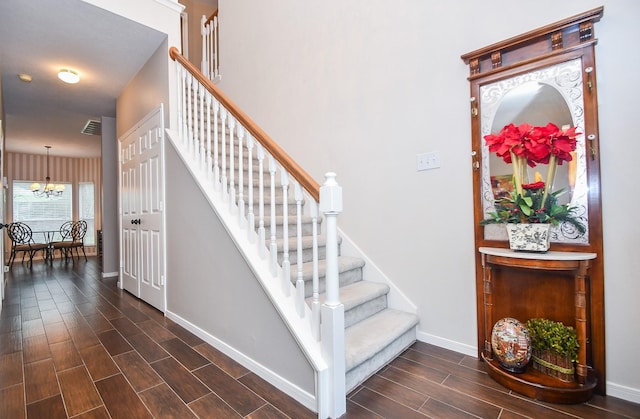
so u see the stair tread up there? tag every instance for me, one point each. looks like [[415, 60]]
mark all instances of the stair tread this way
[[358, 293], [365, 339], [345, 263]]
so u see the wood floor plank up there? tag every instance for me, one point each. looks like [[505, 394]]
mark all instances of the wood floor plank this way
[[12, 403], [277, 398], [401, 394], [436, 409], [155, 331], [239, 397], [9, 322], [225, 363], [11, 370], [65, 355], [56, 332], [98, 413], [188, 337], [98, 323], [51, 316], [120, 399], [162, 402], [137, 371], [11, 342], [99, 364], [78, 391], [180, 380], [441, 393], [35, 348], [267, 412], [509, 402], [83, 336], [451, 368], [114, 342], [125, 326], [133, 314], [384, 406], [213, 406], [32, 328], [50, 408], [147, 347], [40, 380], [184, 354], [355, 411], [421, 370]]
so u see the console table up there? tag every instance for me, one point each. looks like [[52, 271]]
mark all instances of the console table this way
[[550, 285]]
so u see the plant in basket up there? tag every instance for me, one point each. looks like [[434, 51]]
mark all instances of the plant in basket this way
[[536, 203], [554, 348]]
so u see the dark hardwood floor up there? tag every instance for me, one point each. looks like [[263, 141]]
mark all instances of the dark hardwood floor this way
[[74, 345]]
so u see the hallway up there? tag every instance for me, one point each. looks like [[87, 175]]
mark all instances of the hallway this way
[[74, 345]]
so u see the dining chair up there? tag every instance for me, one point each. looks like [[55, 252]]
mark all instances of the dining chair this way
[[72, 238], [64, 244], [21, 237], [78, 232]]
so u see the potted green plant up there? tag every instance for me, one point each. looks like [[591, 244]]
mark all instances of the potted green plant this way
[[530, 205], [554, 348]]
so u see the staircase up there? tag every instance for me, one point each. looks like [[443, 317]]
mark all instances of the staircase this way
[[374, 332], [253, 181]]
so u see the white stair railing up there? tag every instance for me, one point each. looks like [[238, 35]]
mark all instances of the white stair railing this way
[[262, 188], [209, 31]]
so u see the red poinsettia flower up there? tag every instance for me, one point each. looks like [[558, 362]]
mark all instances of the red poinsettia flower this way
[[563, 144], [535, 186]]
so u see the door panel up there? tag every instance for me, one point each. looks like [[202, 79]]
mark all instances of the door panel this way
[[142, 206]]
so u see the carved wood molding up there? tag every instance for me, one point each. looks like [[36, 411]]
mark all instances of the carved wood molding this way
[[556, 38]]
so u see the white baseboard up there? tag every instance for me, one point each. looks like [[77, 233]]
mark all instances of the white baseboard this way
[[109, 274], [306, 399], [448, 344], [623, 392]]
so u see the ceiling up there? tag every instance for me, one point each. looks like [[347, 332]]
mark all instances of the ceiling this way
[[38, 37]]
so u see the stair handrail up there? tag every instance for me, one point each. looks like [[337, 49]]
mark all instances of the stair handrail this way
[[210, 51], [299, 174]]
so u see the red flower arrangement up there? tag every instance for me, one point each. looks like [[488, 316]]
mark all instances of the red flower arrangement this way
[[526, 145]]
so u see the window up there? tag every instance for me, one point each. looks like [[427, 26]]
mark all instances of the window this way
[[86, 211], [41, 213]]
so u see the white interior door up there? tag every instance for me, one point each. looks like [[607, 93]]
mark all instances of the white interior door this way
[[150, 225], [129, 204], [142, 211]]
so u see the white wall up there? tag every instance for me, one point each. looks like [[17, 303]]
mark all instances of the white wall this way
[[360, 87]]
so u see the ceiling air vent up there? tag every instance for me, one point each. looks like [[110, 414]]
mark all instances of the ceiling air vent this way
[[92, 128]]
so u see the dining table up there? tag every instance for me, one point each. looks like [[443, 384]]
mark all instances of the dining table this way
[[47, 237]]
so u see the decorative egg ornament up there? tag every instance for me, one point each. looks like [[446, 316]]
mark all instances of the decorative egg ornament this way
[[511, 344]]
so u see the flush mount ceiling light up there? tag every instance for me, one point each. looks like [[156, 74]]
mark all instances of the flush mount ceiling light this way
[[68, 76], [25, 77]]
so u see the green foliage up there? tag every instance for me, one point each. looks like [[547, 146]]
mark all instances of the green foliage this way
[[529, 208], [547, 335]]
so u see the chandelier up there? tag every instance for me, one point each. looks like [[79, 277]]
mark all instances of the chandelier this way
[[49, 189]]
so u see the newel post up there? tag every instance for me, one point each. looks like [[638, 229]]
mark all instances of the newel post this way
[[332, 328]]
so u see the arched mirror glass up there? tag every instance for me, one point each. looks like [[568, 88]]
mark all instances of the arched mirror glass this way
[[550, 94]]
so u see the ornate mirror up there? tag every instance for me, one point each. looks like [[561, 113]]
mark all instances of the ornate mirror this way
[[547, 75], [550, 94]]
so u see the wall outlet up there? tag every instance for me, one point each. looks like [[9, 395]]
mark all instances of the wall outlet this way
[[428, 161]]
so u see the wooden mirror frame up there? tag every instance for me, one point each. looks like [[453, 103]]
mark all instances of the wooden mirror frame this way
[[546, 46]]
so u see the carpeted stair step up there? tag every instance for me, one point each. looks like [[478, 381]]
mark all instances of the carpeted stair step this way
[[361, 299], [372, 343], [349, 272]]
